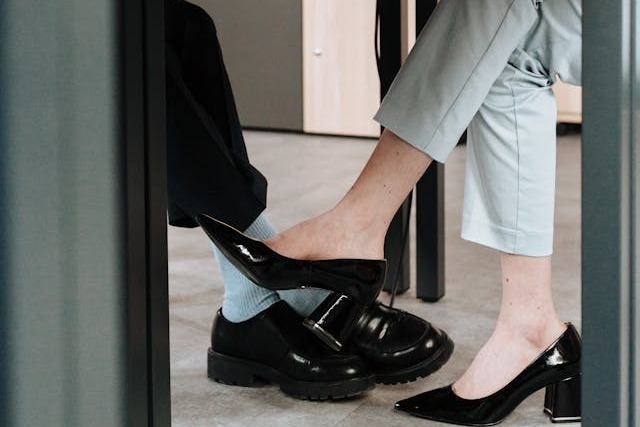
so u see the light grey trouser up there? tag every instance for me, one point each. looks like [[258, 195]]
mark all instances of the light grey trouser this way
[[489, 65]]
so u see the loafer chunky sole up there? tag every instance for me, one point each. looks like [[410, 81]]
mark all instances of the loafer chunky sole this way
[[245, 373]]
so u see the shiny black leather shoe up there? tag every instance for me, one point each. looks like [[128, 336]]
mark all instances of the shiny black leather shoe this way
[[355, 282], [557, 369], [397, 346], [274, 347]]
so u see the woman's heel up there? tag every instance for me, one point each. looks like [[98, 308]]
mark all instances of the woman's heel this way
[[334, 319], [562, 400]]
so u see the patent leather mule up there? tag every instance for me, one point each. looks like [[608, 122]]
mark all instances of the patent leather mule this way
[[557, 369], [355, 283]]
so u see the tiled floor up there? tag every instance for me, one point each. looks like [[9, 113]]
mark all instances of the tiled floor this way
[[307, 174]]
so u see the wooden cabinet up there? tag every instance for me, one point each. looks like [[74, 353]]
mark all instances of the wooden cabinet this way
[[341, 90], [301, 64]]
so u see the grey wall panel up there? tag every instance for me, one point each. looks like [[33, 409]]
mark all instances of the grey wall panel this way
[[610, 161], [262, 46], [62, 269], [5, 398], [83, 273]]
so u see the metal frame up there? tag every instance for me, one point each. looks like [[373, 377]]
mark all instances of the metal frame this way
[[5, 397], [143, 134], [429, 190], [430, 249], [396, 248], [610, 232]]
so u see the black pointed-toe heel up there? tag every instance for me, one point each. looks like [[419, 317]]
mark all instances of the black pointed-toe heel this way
[[557, 369], [355, 283]]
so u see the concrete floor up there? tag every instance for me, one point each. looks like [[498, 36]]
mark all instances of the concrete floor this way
[[308, 174]]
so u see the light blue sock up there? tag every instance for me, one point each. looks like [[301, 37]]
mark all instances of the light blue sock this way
[[243, 299]]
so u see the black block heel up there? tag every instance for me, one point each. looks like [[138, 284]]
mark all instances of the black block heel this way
[[562, 400], [334, 319]]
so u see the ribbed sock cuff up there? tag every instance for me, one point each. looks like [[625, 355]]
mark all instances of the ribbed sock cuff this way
[[261, 229], [243, 299]]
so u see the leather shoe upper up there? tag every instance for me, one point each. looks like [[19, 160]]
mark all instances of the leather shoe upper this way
[[389, 339], [276, 338]]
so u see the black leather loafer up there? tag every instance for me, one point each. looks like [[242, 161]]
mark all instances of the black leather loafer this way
[[397, 346], [274, 347], [355, 282], [557, 369]]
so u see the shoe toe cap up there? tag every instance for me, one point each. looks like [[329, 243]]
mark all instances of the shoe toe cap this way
[[394, 338], [337, 367], [429, 403]]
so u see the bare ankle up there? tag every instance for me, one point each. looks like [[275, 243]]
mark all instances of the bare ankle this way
[[539, 332], [357, 229], [328, 236]]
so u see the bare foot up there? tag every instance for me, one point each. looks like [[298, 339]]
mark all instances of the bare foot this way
[[328, 237], [506, 354]]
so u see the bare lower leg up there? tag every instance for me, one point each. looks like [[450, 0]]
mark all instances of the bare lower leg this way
[[357, 225], [526, 325]]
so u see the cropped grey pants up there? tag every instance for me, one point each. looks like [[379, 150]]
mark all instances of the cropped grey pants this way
[[488, 65]]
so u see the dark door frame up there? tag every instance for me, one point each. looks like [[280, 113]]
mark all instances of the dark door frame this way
[[610, 178], [142, 127], [610, 213]]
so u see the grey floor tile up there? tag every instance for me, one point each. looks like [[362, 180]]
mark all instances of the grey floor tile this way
[[307, 175]]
